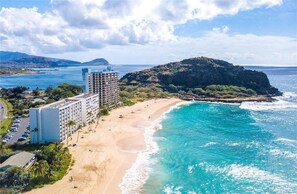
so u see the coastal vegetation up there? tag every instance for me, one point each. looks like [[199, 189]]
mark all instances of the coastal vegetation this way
[[18, 100], [201, 78], [16, 71], [52, 163], [22, 99], [7, 122], [62, 91]]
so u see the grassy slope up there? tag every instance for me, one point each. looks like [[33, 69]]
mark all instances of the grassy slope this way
[[6, 124]]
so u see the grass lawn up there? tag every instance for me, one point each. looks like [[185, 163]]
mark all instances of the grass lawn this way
[[6, 123]]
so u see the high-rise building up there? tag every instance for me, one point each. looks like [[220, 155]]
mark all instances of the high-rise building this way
[[57, 121], [85, 71], [104, 83]]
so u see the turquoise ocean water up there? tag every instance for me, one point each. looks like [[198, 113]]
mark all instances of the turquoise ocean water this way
[[223, 148]]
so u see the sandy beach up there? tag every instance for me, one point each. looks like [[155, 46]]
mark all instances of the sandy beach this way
[[105, 151]]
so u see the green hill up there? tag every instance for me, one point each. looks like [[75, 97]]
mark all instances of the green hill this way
[[200, 77]]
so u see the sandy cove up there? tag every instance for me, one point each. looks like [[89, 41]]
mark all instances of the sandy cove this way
[[105, 151]]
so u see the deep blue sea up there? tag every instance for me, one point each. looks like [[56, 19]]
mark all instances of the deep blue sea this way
[[56, 76], [223, 148], [209, 147]]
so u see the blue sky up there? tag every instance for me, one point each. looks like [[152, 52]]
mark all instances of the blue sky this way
[[278, 20], [159, 31]]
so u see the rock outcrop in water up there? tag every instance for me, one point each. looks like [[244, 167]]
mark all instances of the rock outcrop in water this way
[[204, 77]]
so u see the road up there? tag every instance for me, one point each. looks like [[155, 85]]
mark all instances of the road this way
[[3, 111], [21, 130]]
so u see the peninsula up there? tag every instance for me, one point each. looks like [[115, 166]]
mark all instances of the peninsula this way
[[17, 71], [202, 79]]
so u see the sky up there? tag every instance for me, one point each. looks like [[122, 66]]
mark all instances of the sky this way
[[243, 32]]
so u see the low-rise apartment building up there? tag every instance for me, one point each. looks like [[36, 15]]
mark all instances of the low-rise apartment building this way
[[57, 121]]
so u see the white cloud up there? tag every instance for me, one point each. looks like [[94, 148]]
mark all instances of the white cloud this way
[[237, 48], [77, 25], [222, 29]]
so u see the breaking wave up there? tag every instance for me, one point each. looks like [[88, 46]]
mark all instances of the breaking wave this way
[[287, 101], [137, 175]]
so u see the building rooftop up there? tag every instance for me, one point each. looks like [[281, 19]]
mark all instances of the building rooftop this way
[[103, 72], [62, 103], [84, 96], [20, 159]]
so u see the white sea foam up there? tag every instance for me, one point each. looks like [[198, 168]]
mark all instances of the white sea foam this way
[[287, 101], [208, 144], [233, 144], [286, 140], [137, 175], [286, 154], [170, 189], [252, 174]]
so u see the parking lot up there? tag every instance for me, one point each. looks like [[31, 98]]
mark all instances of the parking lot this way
[[17, 131]]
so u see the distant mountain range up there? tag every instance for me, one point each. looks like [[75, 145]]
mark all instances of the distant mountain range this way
[[23, 60]]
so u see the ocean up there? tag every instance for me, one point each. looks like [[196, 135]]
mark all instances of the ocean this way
[[55, 76], [209, 147], [205, 147]]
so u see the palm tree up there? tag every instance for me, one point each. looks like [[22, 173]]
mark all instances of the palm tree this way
[[89, 123], [69, 124], [93, 121], [41, 168], [99, 114], [78, 130]]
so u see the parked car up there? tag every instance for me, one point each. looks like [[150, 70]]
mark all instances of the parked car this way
[[13, 129], [25, 135], [4, 140], [22, 138], [16, 125]]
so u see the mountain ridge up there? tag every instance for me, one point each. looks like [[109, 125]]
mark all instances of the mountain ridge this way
[[22, 60]]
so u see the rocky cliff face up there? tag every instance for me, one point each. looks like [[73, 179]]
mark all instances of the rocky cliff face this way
[[201, 72]]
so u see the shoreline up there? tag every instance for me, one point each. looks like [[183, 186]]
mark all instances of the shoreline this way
[[25, 73], [234, 100], [106, 152]]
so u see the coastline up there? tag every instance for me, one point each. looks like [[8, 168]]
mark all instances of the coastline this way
[[260, 98], [24, 73], [105, 153]]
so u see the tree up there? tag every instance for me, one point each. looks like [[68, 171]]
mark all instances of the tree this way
[[99, 114], [69, 124], [48, 90], [36, 92], [40, 169], [78, 130], [104, 111], [15, 177]]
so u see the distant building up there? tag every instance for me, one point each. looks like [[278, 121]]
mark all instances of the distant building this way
[[22, 159], [38, 100], [104, 83], [85, 71], [50, 123]]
